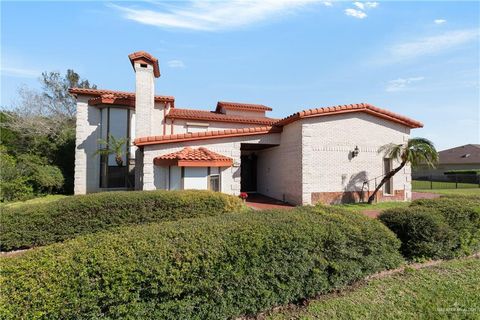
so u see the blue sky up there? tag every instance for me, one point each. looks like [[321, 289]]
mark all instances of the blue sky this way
[[419, 59]]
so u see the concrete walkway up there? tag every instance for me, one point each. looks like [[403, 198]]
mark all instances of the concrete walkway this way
[[258, 201]]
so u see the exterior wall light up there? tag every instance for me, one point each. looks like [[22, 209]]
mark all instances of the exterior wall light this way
[[355, 152]]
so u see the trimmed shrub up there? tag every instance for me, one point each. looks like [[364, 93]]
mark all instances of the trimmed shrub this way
[[436, 228], [210, 268], [42, 224]]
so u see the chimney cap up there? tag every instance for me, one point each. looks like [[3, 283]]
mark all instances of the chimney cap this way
[[146, 58]]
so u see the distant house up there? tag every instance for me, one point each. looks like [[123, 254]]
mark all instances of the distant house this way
[[316, 155], [465, 157]]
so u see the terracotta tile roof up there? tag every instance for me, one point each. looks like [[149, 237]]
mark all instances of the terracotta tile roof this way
[[241, 106], [142, 141], [147, 58], [219, 117], [360, 107], [121, 94], [189, 157]]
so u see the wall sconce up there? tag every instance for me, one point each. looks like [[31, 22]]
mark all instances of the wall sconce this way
[[355, 152]]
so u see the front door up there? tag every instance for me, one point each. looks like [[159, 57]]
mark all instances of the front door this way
[[248, 169]]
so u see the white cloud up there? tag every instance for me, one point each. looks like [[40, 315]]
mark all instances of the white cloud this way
[[176, 64], [362, 7], [327, 3], [355, 13], [401, 84], [359, 5], [212, 15], [371, 4], [431, 45], [439, 21], [19, 72]]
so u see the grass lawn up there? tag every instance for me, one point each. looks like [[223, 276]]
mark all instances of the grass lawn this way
[[45, 199], [473, 191], [449, 290], [359, 207], [425, 185]]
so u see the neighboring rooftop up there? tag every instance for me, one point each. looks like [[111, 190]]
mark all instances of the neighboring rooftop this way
[[467, 154]]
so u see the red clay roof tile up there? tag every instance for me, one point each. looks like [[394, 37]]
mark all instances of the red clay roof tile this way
[[241, 106], [188, 114], [119, 94], [189, 157], [145, 57], [141, 141]]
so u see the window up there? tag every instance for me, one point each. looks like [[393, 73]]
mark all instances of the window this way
[[387, 167], [214, 179]]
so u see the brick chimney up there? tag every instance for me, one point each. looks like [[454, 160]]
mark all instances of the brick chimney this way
[[146, 70]]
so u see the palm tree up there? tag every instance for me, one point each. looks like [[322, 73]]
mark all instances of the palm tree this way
[[113, 146], [416, 151]]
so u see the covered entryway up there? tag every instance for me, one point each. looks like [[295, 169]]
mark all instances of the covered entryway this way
[[250, 152]]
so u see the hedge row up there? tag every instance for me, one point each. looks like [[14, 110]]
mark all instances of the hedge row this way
[[42, 224], [210, 268], [438, 228]]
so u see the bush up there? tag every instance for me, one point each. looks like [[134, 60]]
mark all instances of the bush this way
[[41, 224], [438, 228], [210, 268]]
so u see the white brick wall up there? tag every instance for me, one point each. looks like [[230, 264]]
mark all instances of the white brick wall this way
[[144, 100], [87, 165], [326, 144], [280, 168]]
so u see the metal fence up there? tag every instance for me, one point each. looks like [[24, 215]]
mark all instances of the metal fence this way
[[447, 181]]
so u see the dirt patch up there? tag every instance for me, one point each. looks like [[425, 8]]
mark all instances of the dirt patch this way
[[424, 195], [14, 253]]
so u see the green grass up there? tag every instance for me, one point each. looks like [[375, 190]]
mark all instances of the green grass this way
[[446, 291], [426, 185], [44, 199], [359, 207], [453, 192]]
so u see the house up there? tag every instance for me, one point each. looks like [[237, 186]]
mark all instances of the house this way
[[464, 158], [324, 155]]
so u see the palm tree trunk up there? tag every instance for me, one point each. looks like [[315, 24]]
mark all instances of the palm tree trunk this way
[[385, 179]]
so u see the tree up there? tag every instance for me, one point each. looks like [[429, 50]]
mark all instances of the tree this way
[[416, 151], [113, 146], [43, 123]]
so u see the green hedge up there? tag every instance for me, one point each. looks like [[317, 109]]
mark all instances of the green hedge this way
[[42, 224], [436, 228], [210, 268]]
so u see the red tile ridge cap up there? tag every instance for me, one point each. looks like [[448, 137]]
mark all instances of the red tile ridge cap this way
[[358, 107]]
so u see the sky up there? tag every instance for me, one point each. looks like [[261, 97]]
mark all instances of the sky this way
[[419, 59]]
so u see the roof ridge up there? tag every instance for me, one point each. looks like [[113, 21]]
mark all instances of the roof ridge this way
[[315, 112]]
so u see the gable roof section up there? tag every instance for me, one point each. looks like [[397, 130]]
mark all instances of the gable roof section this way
[[467, 154], [359, 107], [188, 114], [241, 106], [120, 94], [205, 135], [189, 157]]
